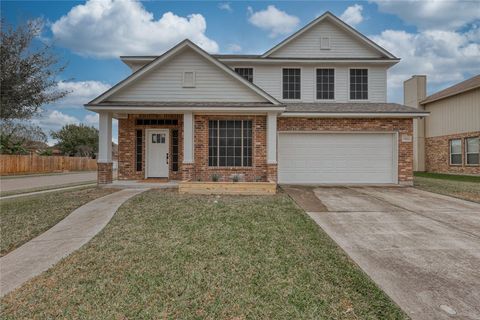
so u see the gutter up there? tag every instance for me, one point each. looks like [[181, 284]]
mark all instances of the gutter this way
[[355, 115]]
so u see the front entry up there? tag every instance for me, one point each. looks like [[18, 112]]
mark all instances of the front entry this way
[[157, 153]]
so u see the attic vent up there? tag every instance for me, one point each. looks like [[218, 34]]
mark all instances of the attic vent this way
[[189, 79], [325, 43]]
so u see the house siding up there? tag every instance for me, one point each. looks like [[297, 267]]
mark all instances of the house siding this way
[[343, 45], [165, 83], [269, 78], [404, 127]]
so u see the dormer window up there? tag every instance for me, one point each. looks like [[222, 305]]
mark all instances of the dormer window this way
[[325, 43], [189, 79]]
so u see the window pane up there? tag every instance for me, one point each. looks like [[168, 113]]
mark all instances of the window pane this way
[[359, 84], [456, 159], [473, 145], [456, 146]]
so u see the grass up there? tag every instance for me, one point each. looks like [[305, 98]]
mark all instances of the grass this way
[[26, 217], [173, 256], [15, 192], [463, 187]]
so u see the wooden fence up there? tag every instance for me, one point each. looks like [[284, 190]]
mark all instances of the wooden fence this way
[[25, 164]]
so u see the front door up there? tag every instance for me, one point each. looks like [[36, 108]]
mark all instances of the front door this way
[[157, 153]]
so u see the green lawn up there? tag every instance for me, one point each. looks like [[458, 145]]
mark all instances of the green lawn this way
[[170, 256], [464, 187], [26, 217]]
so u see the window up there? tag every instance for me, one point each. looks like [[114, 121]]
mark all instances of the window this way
[[189, 79], [456, 151], [358, 84], [138, 150], [174, 150], [158, 137], [325, 43], [472, 150], [157, 122], [291, 83], [247, 73], [230, 143], [325, 84]]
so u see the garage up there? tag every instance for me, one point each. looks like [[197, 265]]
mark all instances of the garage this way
[[337, 158]]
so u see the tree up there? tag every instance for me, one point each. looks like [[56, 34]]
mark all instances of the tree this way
[[18, 138], [27, 72], [77, 140]]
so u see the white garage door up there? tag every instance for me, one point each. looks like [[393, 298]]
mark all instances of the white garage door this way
[[310, 158]]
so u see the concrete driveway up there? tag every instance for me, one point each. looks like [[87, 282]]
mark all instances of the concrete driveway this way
[[422, 249]]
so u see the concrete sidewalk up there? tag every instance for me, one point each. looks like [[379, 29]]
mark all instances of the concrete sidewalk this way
[[17, 183], [42, 252]]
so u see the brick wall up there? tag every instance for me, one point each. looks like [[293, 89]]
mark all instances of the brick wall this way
[[126, 145], [402, 126], [258, 170], [437, 155], [104, 172]]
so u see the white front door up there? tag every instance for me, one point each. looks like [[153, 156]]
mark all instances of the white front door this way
[[157, 153]]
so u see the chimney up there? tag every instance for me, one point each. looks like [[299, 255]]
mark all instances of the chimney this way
[[414, 91]]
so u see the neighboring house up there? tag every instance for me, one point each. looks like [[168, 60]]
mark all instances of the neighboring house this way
[[310, 110], [448, 140]]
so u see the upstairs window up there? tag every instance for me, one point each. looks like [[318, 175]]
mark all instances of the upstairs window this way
[[325, 84], [472, 150], [456, 152], [246, 73], [358, 84], [291, 83]]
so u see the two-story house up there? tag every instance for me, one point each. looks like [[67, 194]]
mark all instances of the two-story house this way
[[311, 110]]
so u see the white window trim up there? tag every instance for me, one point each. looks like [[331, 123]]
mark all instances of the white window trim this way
[[450, 153], [194, 84], [281, 82], [369, 85], [250, 67], [334, 84], [467, 153]]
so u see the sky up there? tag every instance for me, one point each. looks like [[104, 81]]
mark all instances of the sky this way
[[438, 38]]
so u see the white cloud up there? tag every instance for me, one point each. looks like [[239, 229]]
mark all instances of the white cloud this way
[[233, 47], [446, 57], [275, 21], [225, 6], [91, 119], [432, 14], [54, 120], [111, 28], [81, 92], [353, 15]]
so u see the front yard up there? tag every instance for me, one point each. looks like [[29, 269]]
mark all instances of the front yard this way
[[24, 218], [459, 186], [174, 256]]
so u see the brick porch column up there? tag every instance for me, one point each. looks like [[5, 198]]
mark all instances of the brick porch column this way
[[272, 146], [272, 172], [188, 166], [104, 162]]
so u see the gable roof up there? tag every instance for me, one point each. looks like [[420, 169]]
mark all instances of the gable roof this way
[[160, 59], [331, 17], [458, 88]]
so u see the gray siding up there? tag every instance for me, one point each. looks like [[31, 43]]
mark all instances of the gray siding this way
[[269, 78], [165, 83], [343, 44]]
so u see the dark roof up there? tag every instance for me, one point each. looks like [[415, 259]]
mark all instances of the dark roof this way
[[463, 86], [255, 56], [354, 107]]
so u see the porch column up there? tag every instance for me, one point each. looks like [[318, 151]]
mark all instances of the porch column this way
[[272, 146], [188, 147], [104, 161]]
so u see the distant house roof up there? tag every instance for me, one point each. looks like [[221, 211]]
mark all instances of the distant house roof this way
[[370, 107], [463, 86]]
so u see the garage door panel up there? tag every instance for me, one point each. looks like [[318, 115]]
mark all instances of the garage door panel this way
[[336, 158]]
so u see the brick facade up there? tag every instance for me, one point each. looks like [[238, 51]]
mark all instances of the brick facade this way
[[437, 155], [127, 140], [257, 172], [104, 172], [403, 126]]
